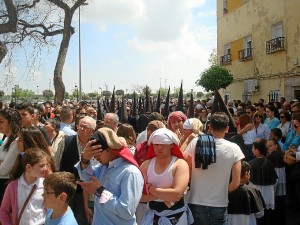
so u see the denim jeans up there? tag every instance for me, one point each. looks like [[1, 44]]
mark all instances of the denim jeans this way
[[207, 215]]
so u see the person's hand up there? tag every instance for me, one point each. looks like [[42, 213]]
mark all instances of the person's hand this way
[[88, 214], [90, 186], [91, 150]]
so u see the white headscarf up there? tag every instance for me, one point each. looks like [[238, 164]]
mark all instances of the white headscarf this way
[[188, 124], [163, 136]]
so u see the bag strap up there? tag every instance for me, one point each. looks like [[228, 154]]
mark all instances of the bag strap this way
[[25, 203]]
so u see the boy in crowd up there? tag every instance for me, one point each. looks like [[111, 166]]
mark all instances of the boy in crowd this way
[[245, 203], [59, 189]]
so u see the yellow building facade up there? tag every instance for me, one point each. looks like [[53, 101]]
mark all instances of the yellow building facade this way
[[259, 42]]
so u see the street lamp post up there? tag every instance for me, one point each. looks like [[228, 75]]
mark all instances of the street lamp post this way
[[79, 46], [76, 89]]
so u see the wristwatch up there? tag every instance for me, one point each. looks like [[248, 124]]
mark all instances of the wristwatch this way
[[99, 191]]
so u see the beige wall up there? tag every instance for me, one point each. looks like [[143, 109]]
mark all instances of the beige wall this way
[[256, 18]]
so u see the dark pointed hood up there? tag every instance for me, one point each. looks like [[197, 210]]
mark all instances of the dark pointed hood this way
[[179, 106], [157, 108], [99, 111], [112, 102], [191, 106], [123, 116], [167, 104], [134, 106], [147, 101]]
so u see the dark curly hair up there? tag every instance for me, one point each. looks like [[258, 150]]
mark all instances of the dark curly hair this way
[[15, 124]]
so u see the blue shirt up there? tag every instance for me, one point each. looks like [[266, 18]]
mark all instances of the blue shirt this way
[[66, 128], [67, 219], [272, 123], [125, 182], [291, 140]]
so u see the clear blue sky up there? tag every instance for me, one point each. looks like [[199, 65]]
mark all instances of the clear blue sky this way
[[129, 43]]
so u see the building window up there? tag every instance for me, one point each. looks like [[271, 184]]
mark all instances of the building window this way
[[277, 43], [246, 52], [274, 96], [226, 58]]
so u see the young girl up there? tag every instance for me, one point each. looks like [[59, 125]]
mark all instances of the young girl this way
[[26, 177], [276, 157], [263, 177]]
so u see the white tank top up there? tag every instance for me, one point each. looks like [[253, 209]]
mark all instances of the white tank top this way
[[163, 180]]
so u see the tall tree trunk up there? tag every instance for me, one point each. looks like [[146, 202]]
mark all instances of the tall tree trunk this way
[[62, 54]]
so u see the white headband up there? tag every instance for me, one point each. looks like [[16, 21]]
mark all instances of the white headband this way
[[188, 124], [163, 136]]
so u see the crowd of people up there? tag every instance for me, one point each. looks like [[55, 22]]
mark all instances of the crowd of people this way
[[64, 165]]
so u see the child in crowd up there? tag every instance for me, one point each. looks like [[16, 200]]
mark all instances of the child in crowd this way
[[275, 155], [245, 203], [263, 177], [276, 134], [59, 189], [23, 202]]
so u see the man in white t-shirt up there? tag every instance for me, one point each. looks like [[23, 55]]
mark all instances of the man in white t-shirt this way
[[208, 195]]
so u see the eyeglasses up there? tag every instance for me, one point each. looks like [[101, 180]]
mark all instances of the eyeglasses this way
[[83, 127]]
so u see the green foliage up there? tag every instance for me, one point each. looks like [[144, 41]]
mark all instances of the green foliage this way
[[67, 95], [120, 92], [106, 93], [215, 78], [1, 94], [200, 94], [213, 58], [48, 94], [163, 92]]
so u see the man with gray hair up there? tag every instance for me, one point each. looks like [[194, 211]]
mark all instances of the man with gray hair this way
[[111, 120], [70, 154]]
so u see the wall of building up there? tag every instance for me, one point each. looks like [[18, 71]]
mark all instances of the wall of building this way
[[255, 18]]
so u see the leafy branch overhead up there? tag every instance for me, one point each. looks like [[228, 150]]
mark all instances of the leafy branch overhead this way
[[215, 78]]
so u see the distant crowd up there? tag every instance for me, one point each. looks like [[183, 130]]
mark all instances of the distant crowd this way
[[81, 163]]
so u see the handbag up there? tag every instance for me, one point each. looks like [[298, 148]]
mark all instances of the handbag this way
[[289, 158], [25, 203]]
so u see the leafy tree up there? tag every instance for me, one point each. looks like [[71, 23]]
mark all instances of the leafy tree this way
[[93, 95], [213, 58], [1, 94], [200, 94], [163, 92], [215, 78], [48, 94], [22, 20], [106, 93], [66, 95], [120, 92]]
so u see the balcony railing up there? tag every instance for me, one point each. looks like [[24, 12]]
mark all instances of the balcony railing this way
[[225, 59], [245, 54], [275, 45]]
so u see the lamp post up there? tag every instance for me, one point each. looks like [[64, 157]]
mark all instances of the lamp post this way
[[79, 46], [76, 89]]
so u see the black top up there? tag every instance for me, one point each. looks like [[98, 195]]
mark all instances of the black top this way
[[245, 200], [262, 172]]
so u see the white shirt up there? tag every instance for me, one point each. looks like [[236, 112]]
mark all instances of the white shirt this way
[[284, 128], [34, 213], [210, 187], [8, 158]]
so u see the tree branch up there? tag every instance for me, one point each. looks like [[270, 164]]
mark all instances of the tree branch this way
[[11, 25]]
